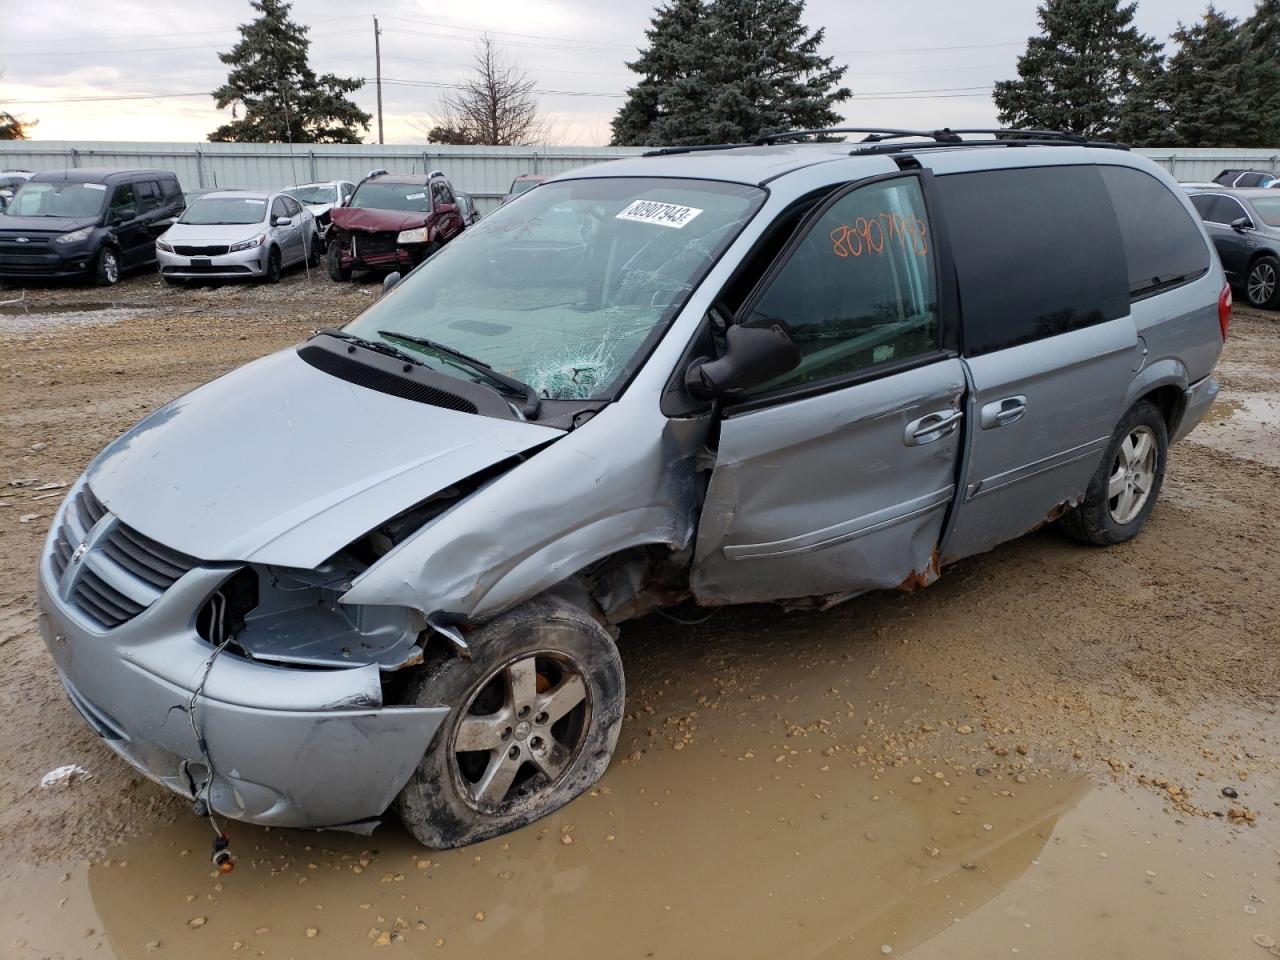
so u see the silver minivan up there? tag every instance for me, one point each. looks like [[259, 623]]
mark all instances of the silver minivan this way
[[384, 568]]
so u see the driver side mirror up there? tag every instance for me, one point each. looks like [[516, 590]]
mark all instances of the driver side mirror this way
[[1241, 225], [281, 221], [753, 355], [446, 207], [389, 281], [123, 215]]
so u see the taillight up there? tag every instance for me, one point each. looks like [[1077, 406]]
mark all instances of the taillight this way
[[1224, 309]]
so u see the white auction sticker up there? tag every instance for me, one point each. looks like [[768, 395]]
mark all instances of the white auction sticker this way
[[416, 196], [95, 186], [258, 203], [663, 214]]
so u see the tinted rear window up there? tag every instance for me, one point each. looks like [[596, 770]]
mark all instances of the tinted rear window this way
[[1162, 244], [1037, 252]]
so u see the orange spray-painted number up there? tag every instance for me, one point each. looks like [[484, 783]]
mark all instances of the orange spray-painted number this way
[[870, 234]]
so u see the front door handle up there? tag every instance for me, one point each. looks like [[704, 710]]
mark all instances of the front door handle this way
[[932, 426], [1001, 413]]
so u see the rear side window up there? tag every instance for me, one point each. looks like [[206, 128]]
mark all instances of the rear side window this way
[[1037, 253], [1226, 210], [171, 190], [1203, 202], [1162, 244]]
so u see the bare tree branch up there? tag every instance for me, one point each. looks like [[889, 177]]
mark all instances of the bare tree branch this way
[[496, 104]]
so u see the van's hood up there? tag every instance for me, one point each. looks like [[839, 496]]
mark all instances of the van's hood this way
[[347, 218], [278, 462], [43, 225], [202, 233]]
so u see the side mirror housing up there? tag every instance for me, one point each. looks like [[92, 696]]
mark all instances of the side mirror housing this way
[[281, 221], [1241, 225], [124, 215], [446, 208], [753, 355], [389, 281]]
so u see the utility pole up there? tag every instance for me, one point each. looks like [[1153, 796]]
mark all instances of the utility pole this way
[[377, 55]]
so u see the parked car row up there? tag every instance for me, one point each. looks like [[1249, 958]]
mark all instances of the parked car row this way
[[1244, 225], [98, 223]]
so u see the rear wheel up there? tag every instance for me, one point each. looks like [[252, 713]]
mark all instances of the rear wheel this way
[[313, 251], [337, 271], [1123, 491], [534, 720], [1262, 284]]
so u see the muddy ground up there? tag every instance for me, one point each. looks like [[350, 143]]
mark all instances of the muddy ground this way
[[1028, 757]]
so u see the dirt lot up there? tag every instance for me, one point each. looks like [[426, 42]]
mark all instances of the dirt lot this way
[[1028, 757]]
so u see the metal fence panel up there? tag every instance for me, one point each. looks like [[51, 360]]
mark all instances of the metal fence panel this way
[[483, 172]]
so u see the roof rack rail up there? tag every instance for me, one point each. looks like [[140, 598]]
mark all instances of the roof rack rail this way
[[696, 148]]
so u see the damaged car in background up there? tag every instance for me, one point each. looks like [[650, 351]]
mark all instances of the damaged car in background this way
[[385, 568]]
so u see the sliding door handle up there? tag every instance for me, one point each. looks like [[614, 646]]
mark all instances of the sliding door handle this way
[[1001, 413]]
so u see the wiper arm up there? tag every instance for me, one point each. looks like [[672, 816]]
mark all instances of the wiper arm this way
[[531, 400], [375, 345]]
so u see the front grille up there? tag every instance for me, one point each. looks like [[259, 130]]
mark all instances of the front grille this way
[[47, 262], [123, 573], [373, 244], [34, 244], [209, 268], [210, 251]]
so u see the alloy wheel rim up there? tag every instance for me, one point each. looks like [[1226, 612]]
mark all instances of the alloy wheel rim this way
[[1132, 475], [521, 730], [110, 267], [1262, 283]]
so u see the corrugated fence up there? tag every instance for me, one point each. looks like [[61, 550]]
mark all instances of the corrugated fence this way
[[483, 172]]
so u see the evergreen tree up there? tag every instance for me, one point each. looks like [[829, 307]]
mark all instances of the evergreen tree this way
[[270, 78], [1262, 38], [13, 127], [674, 33], [1209, 85], [1082, 73], [728, 71]]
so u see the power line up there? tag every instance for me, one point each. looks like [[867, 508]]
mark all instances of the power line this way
[[509, 33], [114, 50], [127, 96]]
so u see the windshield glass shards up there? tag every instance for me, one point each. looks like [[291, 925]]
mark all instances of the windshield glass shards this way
[[566, 290], [208, 211]]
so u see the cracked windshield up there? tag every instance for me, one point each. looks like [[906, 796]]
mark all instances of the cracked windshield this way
[[564, 288]]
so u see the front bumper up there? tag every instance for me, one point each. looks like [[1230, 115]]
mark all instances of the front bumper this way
[[1197, 399], [244, 263], [289, 747], [356, 251], [44, 262]]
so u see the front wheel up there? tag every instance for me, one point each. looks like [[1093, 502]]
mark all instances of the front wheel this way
[[534, 719], [274, 266], [333, 259], [313, 251], [1123, 491], [1262, 285], [107, 268]]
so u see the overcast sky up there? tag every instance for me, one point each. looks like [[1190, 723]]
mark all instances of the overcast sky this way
[[925, 63]]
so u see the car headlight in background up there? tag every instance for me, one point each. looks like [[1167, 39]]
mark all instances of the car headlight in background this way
[[75, 236], [412, 236], [248, 244], [164, 245]]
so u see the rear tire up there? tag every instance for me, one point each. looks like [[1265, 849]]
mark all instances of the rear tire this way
[[1124, 489], [313, 251], [534, 719], [1262, 284], [337, 272]]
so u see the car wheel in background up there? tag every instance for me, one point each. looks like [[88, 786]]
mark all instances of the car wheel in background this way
[[1262, 284], [106, 272], [1123, 491], [534, 719], [273, 266], [337, 271], [313, 251]]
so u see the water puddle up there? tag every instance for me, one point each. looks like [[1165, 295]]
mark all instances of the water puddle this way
[[1245, 425], [803, 856], [27, 315]]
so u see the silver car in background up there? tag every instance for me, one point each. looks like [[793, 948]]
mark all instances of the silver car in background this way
[[319, 199], [385, 567], [238, 234]]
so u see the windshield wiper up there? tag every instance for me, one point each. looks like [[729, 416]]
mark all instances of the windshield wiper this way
[[376, 345], [518, 387]]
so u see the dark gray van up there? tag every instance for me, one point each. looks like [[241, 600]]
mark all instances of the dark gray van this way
[[90, 222]]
